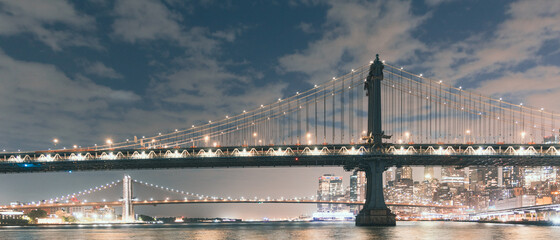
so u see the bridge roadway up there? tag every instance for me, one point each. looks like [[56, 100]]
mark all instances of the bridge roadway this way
[[215, 201], [349, 156]]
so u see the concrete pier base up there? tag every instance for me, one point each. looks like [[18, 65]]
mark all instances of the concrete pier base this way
[[375, 211], [376, 217]]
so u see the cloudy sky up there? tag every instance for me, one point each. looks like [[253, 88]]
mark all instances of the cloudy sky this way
[[83, 71]]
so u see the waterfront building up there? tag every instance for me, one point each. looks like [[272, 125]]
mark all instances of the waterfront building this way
[[8, 217]]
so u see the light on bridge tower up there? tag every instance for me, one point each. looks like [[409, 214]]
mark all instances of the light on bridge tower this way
[[375, 211]]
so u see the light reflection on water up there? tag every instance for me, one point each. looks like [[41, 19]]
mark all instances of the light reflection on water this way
[[294, 230]]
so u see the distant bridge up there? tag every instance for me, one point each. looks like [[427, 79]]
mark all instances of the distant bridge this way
[[216, 201]]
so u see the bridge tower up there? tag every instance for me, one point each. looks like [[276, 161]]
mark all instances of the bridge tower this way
[[127, 208], [374, 212]]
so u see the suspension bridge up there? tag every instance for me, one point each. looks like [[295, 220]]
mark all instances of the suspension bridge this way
[[337, 123], [174, 196]]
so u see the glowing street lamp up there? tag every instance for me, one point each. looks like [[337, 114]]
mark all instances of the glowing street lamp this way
[[55, 141], [206, 139], [109, 142]]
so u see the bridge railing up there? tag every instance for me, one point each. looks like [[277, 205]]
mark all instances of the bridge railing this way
[[474, 150]]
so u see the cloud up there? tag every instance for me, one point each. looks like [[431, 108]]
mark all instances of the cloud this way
[[228, 35], [539, 85], [145, 20], [43, 102], [206, 83], [306, 27], [99, 69], [55, 23], [140, 21], [354, 32], [436, 2], [517, 40], [509, 62], [198, 78]]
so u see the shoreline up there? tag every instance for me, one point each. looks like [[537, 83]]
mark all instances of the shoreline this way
[[116, 224]]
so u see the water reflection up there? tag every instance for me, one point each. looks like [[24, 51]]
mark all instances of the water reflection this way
[[296, 230]]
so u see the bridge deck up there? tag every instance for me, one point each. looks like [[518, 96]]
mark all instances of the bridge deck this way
[[276, 156]]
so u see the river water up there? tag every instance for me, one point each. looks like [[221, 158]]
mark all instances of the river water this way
[[286, 230]]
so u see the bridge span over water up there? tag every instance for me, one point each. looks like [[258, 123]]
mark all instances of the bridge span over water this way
[[425, 122]]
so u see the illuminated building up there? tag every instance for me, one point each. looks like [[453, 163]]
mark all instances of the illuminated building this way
[[538, 174], [403, 175], [428, 173], [453, 177], [389, 177], [481, 178], [357, 189], [330, 189], [8, 217], [512, 177]]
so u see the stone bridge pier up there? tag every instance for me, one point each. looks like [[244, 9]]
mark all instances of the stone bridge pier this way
[[375, 211]]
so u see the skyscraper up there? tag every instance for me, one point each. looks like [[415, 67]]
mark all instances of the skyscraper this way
[[357, 189], [388, 176], [403, 175], [354, 186], [512, 177], [483, 177], [453, 177], [428, 173], [330, 189]]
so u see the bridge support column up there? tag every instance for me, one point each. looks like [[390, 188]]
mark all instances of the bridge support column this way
[[127, 208], [375, 212]]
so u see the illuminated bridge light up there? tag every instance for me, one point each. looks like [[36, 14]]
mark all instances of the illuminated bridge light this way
[[207, 154], [78, 157], [142, 155], [110, 156], [352, 151], [279, 152], [242, 153], [400, 151], [315, 152], [440, 151], [479, 151]]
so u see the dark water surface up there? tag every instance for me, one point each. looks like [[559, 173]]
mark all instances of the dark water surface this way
[[295, 230]]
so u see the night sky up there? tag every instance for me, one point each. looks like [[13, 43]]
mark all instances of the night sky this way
[[85, 71]]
